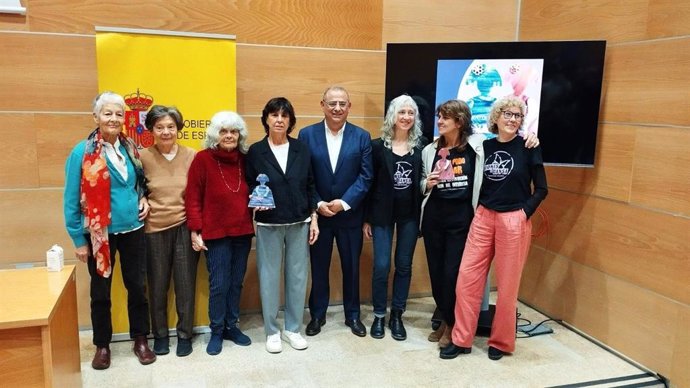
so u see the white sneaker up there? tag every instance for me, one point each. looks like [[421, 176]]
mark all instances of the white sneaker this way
[[273, 343], [295, 339]]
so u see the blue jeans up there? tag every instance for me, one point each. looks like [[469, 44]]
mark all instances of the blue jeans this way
[[407, 232], [226, 260]]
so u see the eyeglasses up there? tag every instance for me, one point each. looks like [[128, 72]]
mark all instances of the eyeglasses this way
[[509, 115], [334, 104]]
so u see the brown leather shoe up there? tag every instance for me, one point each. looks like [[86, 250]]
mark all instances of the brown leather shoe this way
[[445, 340], [101, 360], [142, 351], [436, 335]]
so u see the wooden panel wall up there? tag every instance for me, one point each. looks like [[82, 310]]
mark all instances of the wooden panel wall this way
[[48, 79], [413, 21], [615, 262], [326, 23]]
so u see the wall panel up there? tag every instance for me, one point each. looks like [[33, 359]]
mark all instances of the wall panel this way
[[41, 72], [303, 23], [668, 18], [584, 19], [56, 135], [18, 161], [302, 75], [31, 221], [612, 173], [661, 169], [411, 21], [631, 319], [648, 82], [642, 247]]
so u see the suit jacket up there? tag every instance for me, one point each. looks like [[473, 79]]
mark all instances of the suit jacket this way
[[293, 191], [379, 203], [353, 172]]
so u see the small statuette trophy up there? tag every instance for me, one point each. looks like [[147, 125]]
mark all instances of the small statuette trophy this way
[[262, 195]]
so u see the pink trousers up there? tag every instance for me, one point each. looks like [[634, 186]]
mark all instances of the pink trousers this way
[[505, 238]]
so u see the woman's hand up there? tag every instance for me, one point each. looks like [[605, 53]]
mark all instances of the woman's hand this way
[[143, 208], [366, 229], [431, 180], [198, 242], [531, 140], [313, 230], [82, 253]]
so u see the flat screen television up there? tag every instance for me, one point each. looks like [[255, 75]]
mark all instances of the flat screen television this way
[[559, 80]]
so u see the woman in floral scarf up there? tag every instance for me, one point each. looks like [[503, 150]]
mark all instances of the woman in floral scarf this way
[[104, 206]]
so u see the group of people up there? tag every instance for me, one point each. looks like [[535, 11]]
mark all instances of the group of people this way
[[160, 207]]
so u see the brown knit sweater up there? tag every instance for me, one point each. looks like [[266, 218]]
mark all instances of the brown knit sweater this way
[[167, 180]]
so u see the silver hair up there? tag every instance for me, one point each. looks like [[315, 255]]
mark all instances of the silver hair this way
[[227, 120], [107, 97], [388, 128]]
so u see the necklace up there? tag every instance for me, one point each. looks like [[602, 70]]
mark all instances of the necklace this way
[[239, 179]]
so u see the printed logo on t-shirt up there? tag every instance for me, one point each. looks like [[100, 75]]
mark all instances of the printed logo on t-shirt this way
[[498, 166], [401, 177], [457, 179]]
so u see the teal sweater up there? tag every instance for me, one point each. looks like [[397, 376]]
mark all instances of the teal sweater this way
[[124, 200]]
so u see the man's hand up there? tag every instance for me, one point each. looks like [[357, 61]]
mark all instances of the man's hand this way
[[336, 206], [325, 210]]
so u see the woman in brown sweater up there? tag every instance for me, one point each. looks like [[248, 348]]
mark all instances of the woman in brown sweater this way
[[168, 239]]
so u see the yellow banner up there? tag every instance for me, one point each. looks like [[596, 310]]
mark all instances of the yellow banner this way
[[194, 72]]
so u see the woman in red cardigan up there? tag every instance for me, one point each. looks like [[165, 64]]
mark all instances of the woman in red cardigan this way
[[220, 223]]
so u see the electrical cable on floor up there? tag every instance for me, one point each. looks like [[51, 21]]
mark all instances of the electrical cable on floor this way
[[520, 318], [531, 332]]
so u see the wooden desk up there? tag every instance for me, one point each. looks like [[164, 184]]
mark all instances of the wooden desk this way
[[39, 337]]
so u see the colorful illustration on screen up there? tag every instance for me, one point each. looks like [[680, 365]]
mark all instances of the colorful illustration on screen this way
[[480, 82]]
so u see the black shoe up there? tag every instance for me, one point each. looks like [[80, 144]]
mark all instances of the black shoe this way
[[451, 351], [357, 327], [236, 335], [161, 346], [184, 347], [396, 325], [495, 354], [378, 328], [314, 326]]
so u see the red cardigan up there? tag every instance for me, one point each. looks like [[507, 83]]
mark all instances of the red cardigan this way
[[217, 195]]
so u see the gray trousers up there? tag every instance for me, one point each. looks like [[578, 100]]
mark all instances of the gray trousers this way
[[272, 244], [170, 253]]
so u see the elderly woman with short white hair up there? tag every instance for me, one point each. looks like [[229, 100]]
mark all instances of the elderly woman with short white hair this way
[[104, 208], [221, 224]]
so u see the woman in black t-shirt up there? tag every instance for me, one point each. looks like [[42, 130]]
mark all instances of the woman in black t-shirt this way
[[393, 203], [451, 186], [500, 232]]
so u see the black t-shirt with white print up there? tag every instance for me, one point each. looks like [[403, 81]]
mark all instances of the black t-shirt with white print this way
[[458, 184], [510, 169], [402, 188]]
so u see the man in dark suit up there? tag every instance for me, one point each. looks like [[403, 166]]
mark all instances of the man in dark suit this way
[[341, 160]]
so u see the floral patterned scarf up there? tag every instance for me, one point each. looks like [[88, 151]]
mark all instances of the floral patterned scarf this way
[[95, 194]]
